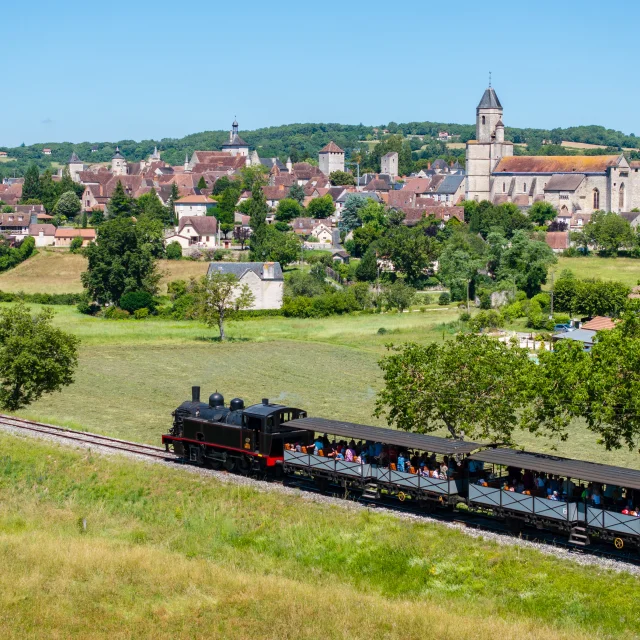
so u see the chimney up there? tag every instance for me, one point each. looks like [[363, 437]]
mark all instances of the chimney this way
[[265, 402], [268, 271], [195, 394]]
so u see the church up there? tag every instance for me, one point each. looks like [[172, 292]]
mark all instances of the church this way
[[572, 184]]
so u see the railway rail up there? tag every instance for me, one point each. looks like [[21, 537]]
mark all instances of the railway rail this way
[[64, 433]]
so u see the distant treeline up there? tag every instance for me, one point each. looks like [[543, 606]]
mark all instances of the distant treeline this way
[[301, 141]]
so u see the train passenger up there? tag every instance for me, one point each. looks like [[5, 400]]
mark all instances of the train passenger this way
[[553, 484], [444, 468], [349, 453], [554, 496], [541, 480], [400, 465], [519, 486], [527, 479], [567, 488], [318, 446], [596, 496], [339, 455], [298, 447]]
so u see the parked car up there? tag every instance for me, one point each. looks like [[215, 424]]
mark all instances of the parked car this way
[[562, 328]]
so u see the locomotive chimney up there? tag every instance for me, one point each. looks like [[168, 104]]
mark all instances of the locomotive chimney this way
[[195, 394], [265, 402]]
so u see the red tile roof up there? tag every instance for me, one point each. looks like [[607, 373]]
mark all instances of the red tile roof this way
[[67, 232], [599, 323], [195, 199], [557, 239], [332, 147], [556, 164]]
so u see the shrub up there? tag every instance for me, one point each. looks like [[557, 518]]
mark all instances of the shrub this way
[[465, 316], [490, 319], [76, 245], [174, 251], [141, 314], [88, 308], [382, 331], [135, 300], [485, 299], [113, 313], [444, 299]]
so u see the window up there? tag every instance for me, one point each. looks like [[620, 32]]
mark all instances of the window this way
[[524, 188], [621, 197], [596, 199], [504, 187], [483, 120]]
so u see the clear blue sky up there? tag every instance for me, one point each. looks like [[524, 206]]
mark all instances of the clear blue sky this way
[[86, 71]]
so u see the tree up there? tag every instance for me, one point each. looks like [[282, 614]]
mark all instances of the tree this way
[[609, 232], [473, 385], [288, 209], [363, 238], [85, 220], [151, 206], [76, 245], [350, 218], [67, 183], [241, 235], [31, 185], [97, 217], [202, 183], [257, 209], [219, 297], [227, 203], [542, 212], [68, 205], [321, 207], [296, 192], [123, 258], [49, 193], [35, 357], [409, 250], [120, 205], [399, 295], [341, 178], [591, 297], [222, 183], [174, 251], [134, 300], [253, 176], [276, 246], [457, 268]]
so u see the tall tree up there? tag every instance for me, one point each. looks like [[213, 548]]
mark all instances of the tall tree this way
[[120, 204], [350, 218], [542, 212], [257, 209], [123, 258], [35, 357], [297, 192], [473, 385], [49, 193], [202, 183], [288, 209], [609, 232], [68, 205], [31, 185], [218, 297], [321, 207]]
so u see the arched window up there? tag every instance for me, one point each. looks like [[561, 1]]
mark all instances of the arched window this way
[[596, 199], [504, 187], [483, 120], [621, 197]]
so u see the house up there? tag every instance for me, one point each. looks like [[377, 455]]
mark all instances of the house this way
[[450, 190], [64, 235], [413, 215], [3, 154], [633, 217], [585, 336], [264, 279], [43, 234], [558, 241], [273, 195], [196, 205], [196, 232], [46, 152], [318, 228], [599, 323], [341, 256]]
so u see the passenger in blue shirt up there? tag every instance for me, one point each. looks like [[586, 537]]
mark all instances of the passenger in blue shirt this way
[[318, 446], [401, 461]]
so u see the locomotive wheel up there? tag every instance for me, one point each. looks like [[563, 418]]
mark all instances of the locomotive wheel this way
[[216, 465], [619, 543], [402, 496], [243, 466], [230, 464]]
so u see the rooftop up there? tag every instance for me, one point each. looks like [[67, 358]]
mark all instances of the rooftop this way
[[489, 100], [332, 147], [240, 268], [556, 164], [599, 323]]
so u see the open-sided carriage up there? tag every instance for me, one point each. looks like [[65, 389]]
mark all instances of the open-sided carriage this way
[[570, 513], [375, 478]]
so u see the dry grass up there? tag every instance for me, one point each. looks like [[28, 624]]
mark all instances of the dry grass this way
[[59, 272], [625, 270]]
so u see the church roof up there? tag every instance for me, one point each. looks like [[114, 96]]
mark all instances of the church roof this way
[[117, 155], [556, 164], [236, 141], [564, 182], [332, 147], [74, 158], [490, 100]]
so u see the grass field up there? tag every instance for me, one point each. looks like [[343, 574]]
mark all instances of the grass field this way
[[59, 272], [625, 270], [170, 555]]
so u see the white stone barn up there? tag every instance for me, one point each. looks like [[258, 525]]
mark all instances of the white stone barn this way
[[265, 280], [573, 184]]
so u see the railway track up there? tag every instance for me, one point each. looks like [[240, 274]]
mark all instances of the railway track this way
[[63, 433]]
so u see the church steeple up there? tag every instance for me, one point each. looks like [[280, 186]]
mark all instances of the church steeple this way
[[488, 115]]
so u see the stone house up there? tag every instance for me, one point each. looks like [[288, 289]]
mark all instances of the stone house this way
[[64, 235], [319, 228], [43, 234], [264, 279], [192, 206], [197, 232]]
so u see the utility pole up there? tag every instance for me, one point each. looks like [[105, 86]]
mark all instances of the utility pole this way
[[551, 309], [468, 283]]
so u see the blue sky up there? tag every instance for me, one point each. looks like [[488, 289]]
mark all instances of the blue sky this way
[[82, 71]]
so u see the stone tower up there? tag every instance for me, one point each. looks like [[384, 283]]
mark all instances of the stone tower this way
[[75, 166], [484, 153], [389, 164], [236, 145], [119, 165], [331, 158]]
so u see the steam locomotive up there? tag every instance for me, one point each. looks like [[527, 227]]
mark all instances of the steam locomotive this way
[[237, 438]]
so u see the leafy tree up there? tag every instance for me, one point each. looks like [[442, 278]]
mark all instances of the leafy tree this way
[[321, 207], [151, 206], [68, 205], [97, 217], [222, 183], [542, 212], [473, 385], [219, 297], [457, 268], [35, 357], [120, 205], [409, 250], [257, 209], [76, 245], [363, 238], [591, 297], [341, 178], [123, 258], [253, 176], [49, 193], [350, 218], [134, 300], [241, 235], [399, 295], [174, 251], [276, 246], [227, 203], [202, 183], [31, 185], [296, 192], [288, 209], [85, 220], [609, 232], [67, 183]]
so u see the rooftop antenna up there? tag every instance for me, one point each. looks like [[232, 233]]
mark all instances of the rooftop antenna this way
[[489, 79]]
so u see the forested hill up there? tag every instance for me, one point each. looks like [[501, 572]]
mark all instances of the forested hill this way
[[302, 141]]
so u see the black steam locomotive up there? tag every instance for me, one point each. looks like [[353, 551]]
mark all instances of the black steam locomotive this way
[[236, 438]]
